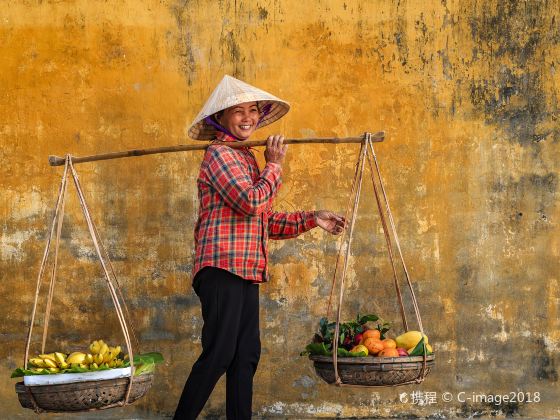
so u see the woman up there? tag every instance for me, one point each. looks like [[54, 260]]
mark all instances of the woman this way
[[234, 223]]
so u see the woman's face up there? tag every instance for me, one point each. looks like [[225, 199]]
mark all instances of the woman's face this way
[[240, 120]]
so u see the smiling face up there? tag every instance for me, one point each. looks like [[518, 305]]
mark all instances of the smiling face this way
[[240, 120]]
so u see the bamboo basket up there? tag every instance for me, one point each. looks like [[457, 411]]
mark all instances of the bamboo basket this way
[[82, 396], [373, 371]]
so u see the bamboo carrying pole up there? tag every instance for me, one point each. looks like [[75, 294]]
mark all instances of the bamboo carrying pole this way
[[58, 161]]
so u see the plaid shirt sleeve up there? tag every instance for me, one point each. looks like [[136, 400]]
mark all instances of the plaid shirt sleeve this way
[[289, 225], [229, 176]]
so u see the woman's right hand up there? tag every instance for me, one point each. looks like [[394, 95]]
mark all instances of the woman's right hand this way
[[275, 149]]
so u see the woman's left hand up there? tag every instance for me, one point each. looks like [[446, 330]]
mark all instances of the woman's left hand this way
[[331, 222]]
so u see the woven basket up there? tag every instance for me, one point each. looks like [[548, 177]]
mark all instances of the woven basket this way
[[372, 371], [83, 396]]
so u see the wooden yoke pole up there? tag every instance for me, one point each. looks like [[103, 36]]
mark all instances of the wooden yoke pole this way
[[58, 161]]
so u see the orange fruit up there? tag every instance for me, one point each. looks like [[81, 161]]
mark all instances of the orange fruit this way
[[373, 345], [389, 352], [371, 333], [389, 343]]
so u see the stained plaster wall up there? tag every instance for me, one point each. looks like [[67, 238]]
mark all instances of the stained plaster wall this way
[[468, 95]]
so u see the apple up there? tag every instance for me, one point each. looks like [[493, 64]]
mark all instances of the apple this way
[[358, 339], [402, 352]]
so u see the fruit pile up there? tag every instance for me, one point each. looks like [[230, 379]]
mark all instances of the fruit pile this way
[[101, 356], [367, 335]]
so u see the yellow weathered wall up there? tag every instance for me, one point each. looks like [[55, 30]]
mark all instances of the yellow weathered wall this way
[[468, 95]]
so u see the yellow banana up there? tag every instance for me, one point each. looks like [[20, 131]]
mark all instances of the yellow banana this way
[[64, 365], [54, 370], [88, 359], [59, 358], [94, 365], [83, 366], [49, 356], [94, 347], [37, 362], [104, 349], [50, 364], [98, 358], [76, 357], [38, 370]]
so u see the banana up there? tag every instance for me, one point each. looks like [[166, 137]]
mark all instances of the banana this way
[[64, 365], [111, 364], [83, 366], [94, 347], [59, 358], [98, 358], [37, 362], [118, 363], [54, 370], [89, 359], [38, 370], [117, 350], [50, 364], [104, 349], [94, 366], [107, 357], [76, 357], [49, 356]]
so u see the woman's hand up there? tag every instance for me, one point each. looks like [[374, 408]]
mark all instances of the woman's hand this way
[[275, 149], [331, 222]]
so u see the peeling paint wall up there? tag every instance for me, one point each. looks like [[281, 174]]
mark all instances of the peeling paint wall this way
[[468, 95]]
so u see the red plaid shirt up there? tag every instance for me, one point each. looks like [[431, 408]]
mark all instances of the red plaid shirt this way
[[235, 217]]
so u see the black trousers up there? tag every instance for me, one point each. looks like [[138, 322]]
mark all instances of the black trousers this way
[[230, 344]]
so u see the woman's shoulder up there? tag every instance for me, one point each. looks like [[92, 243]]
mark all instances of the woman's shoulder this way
[[221, 151]]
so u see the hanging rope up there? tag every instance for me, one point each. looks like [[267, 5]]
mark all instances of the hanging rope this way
[[396, 236], [346, 217], [44, 261], [363, 152], [112, 291], [355, 197]]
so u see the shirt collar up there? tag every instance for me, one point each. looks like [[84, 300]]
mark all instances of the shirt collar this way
[[221, 136]]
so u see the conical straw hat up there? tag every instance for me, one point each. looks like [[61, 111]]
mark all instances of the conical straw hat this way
[[229, 92]]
